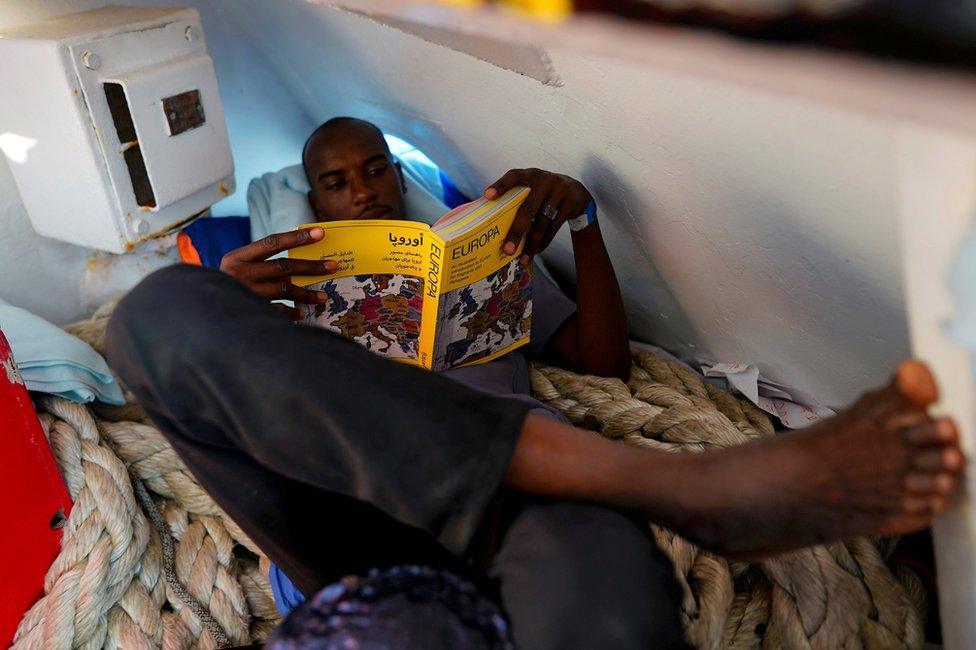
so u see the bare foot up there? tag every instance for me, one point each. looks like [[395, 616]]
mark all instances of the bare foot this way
[[881, 467]]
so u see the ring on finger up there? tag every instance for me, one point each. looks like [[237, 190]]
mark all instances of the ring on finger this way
[[548, 211]]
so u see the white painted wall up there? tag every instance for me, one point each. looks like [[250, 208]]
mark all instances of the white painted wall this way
[[36, 273], [266, 129], [749, 204], [939, 177]]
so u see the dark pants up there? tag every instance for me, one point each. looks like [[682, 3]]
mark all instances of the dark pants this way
[[335, 461]]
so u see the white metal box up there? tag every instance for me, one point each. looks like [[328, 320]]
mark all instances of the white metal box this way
[[112, 124]]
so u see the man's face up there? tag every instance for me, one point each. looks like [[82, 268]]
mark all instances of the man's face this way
[[353, 176]]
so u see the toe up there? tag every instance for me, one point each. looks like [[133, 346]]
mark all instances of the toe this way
[[952, 459], [945, 483], [924, 506], [915, 383], [937, 504], [934, 432], [923, 483], [915, 506], [906, 524], [948, 459], [928, 461]]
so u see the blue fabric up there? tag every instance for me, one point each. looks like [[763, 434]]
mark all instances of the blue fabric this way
[[52, 361], [214, 236], [450, 193], [591, 211], [286, 595], [278, 202]]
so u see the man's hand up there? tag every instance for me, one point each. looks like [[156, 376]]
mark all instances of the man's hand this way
[[554, 199], [271, 278]]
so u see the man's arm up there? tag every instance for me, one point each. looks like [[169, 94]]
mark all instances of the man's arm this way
[[594, 341]]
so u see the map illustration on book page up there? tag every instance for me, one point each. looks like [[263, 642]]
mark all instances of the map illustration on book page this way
[[436, 297], [381, 312], [484, 316]]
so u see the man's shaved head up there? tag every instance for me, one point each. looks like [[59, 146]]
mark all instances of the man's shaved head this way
[[337, 125], [351, 172]]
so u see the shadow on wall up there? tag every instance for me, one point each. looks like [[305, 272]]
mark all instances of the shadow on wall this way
[[849, 299], [800, 320], [318, 88], [623, 204]]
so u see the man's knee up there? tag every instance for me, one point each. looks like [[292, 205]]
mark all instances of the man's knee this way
[[164, 321], [574, 575], [167, 296]]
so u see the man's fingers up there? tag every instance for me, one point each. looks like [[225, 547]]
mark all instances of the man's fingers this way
[[533, 241], [285, 290], [549, 215], [569, 209], [294, 313], [264, 248], [301, 294], [510, 179], [521, 223], [284, 267], [525, 216]]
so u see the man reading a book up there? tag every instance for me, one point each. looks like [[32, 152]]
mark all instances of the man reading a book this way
[[336, 461]]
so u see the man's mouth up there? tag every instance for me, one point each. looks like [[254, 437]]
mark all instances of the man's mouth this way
[[375, 212]]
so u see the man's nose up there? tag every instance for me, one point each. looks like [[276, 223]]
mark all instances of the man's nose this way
[[362, 191]]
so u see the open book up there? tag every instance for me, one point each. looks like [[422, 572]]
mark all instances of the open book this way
[[438, 296]]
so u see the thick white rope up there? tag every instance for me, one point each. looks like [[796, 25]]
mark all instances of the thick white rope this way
[[836, 596], [107, 588], [121, 582]]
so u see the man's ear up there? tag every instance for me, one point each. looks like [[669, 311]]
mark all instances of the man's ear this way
[[403, 182]]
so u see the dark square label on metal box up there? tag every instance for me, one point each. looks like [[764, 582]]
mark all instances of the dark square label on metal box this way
[[184, 112]]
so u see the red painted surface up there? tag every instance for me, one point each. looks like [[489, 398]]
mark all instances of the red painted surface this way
[[31, 494]]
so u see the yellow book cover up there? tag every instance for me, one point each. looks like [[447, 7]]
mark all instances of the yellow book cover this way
[[439, 297]]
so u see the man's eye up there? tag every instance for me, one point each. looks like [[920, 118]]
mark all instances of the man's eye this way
[[335, 186], [377, 171]]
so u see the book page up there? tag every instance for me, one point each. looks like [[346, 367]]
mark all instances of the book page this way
[[486, 304], [473, 244], [376, 297]]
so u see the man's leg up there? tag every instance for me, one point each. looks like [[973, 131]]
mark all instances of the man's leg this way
[[314, 446], [579, 576], [882, 466]]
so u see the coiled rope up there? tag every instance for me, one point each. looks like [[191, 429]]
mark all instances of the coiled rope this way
[[115, 585], [840, 595], [142, 565]]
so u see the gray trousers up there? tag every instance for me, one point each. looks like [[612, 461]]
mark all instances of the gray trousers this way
[[335, 461]]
